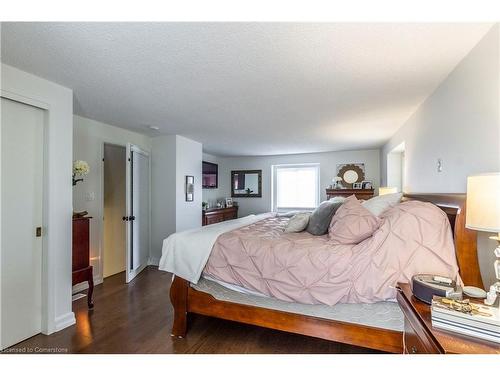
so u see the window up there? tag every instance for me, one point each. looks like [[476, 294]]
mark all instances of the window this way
[[295, 186]]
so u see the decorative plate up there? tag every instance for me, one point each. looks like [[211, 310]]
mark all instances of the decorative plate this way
[[351, 173]]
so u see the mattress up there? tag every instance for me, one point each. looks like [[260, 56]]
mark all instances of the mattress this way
[[386, 315]]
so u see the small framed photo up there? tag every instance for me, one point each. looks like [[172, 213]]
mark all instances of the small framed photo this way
[[366, 185], [229, 202], [357, 185], [189, 188]]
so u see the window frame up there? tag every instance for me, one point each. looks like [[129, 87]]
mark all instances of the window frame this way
[[274, 200]]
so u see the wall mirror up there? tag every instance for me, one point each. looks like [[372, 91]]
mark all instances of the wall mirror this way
[[246, 184]]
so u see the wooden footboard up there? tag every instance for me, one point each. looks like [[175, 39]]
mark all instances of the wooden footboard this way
[[179, 298], [188, 300]]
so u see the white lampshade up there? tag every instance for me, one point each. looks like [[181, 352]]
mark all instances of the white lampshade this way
[[387, 190], [483, 202]]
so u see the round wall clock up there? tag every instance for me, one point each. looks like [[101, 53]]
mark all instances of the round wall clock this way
[[350, 174]]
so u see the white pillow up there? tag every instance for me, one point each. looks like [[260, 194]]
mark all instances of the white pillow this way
[[298, 222], [379, 204], [337, 199]]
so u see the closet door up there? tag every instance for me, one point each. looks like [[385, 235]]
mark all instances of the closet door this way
[[21, 221], [138, 209]]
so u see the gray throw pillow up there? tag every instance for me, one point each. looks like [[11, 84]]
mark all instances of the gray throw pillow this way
[[322, 216]]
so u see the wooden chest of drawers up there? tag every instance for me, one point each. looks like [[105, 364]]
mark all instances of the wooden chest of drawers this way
[[359, 193], [82, 270], [216, 215]]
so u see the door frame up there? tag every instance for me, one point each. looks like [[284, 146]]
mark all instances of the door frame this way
[[47, 293], [57, 101], [131, 274], [100, 278]]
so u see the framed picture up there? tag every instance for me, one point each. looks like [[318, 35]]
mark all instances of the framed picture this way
[[189, 188], [367, 185], [229, 202], [357, 185]]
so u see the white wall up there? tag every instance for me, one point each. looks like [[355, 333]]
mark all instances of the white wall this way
[[56, 267], [173, 157], [328, 169], [188, 163], [460, 124], [88, 139]]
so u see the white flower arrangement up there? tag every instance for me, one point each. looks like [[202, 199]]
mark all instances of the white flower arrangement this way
[[80, 168], [337, 182]]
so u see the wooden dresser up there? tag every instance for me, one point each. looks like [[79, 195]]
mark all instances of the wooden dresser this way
[[421, 338], [359, 193], [216, 215], [82, 270]]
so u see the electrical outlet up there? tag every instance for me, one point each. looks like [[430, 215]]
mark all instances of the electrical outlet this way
[[439, 165], [89, 196]]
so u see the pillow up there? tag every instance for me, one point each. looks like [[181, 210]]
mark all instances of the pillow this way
[[291, 213], [337, 199], [322, 216], [379, 204], [352, 223], [298, 222]]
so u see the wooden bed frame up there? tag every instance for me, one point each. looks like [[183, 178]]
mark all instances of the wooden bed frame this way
[[187, 300]]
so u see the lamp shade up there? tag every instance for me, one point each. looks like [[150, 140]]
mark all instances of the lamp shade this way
[[483, 202], [387, 190]]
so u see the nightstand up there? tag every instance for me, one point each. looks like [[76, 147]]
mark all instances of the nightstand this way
[[421, 338]]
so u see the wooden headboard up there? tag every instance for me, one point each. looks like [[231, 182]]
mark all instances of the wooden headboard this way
[[465, 239]]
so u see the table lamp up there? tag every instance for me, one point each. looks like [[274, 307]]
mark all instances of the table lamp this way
[[483, 213], [383, 190]]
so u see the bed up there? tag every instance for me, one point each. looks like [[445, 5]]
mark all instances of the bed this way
[[377, 326]]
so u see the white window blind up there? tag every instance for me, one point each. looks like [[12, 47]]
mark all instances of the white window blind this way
[[295, 186]]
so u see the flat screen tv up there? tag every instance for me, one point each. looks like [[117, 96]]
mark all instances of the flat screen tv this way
[[210, 175]]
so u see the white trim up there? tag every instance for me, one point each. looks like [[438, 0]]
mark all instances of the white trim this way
[[23, 99], [153, 261], [64, 321], [85, 285]]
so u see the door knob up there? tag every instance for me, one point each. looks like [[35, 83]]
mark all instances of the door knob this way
[[125, 218], [132, 217]]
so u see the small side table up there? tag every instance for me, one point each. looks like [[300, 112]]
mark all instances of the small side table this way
[[421, 338]]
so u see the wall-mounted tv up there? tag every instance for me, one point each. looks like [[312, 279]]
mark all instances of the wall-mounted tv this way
[[210, 176]]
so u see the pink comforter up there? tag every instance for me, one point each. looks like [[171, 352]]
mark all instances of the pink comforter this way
[[414, 237]]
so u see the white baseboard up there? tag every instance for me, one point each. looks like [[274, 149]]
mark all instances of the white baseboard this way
[[153, 261], [85, 285], [64, 321]]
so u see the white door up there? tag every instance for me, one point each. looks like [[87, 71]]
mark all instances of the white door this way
[[138, 211], [21, 251]]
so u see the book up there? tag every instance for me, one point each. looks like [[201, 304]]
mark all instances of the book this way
[[490, 328], [472, 319], [465, 331]]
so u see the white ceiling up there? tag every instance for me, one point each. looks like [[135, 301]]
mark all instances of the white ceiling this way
[[246, 88]]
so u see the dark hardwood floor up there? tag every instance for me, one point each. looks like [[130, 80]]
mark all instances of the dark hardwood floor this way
[[136, 318]]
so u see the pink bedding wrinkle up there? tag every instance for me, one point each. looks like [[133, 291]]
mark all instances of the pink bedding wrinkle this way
[[352, 223], [413, 237]]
